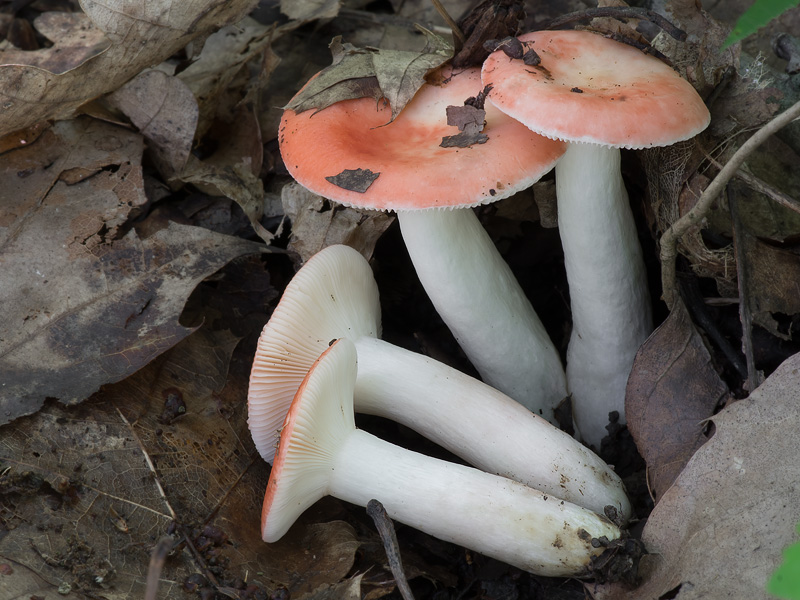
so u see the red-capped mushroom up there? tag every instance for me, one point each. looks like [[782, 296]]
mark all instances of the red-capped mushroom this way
[[348, 153], [322, 453], [599, 95]]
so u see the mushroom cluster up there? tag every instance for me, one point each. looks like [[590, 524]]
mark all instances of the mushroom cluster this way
[[534, 497]]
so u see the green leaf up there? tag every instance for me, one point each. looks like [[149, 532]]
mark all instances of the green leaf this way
[[758, 15], [785, 581], [371, 72]]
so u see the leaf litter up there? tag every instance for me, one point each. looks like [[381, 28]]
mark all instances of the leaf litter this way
[[165, 451]]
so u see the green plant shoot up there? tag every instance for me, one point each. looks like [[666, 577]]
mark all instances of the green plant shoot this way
[[758, 15], [785, 581]]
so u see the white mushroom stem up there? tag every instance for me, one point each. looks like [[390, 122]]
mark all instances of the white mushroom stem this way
[[492, 515], [480, 300], [482, 425], [611, 314]]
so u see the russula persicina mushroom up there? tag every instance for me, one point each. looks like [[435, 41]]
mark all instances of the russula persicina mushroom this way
[[334, 295], [322, 453], [350, 153], [599, 95]]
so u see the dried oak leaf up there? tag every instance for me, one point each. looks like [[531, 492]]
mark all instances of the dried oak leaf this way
[[672, 390], [395, 75], [233, 170], [310, 10], [165, 111], [316, 225], [87, 490], [719, 531], [224, 56], [82, 305], [772, 284], [139, 35]]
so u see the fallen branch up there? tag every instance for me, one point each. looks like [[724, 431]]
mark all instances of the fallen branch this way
[[670, 238]]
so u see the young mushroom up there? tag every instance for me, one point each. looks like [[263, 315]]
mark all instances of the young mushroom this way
[[322, 453], [334, 295], [599, 95], [351, 154]]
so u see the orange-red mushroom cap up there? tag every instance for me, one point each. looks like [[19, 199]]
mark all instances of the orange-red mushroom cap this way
[[592, 89], [414, 171]]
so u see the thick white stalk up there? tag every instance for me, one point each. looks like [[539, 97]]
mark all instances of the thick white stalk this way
[[482, 425], [480, 300], [611, 314], [492, 515]]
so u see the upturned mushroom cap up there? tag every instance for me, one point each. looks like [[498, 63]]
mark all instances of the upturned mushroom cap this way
[[413, 170], [319, 420], [592, 89], [333, 295]]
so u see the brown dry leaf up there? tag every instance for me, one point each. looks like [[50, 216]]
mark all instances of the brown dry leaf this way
[[233, 170], [775, 163], [85, 492], [83, 305], [718, 532], [21, 582], [141, 35], [223, 56], [316, 224], [772, 284], [310, 555], [672, 390], [309, 10], [350, 589], [165, 111], [372, 72], [75, 40]]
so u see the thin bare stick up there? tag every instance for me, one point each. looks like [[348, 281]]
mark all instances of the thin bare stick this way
[[619, 12], [457, 33], [386, 530], [669, 240], [761, 187], [157, 559], [754, 378]]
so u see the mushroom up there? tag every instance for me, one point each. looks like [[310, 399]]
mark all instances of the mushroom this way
[[334, 295], [322, 453], [600, 96], [350, 153]]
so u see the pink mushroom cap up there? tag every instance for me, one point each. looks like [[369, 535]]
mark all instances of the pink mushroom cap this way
[[592, 89], [415, 172]]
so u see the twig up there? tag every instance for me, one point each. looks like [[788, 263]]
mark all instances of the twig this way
[[698, 310], [761, 186], [745, 314], [386, 530], [150, 464], [619, 12], [457, 33], [157, 559], [669, 240]]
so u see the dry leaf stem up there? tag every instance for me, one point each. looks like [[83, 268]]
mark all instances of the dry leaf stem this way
[[390, 545], [754, 377], [457, 33], [619, 12], [669, 241], [761, 186]]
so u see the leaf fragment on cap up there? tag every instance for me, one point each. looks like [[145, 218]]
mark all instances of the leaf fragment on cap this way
[[369, 72], [470, 121], [355, 180]]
